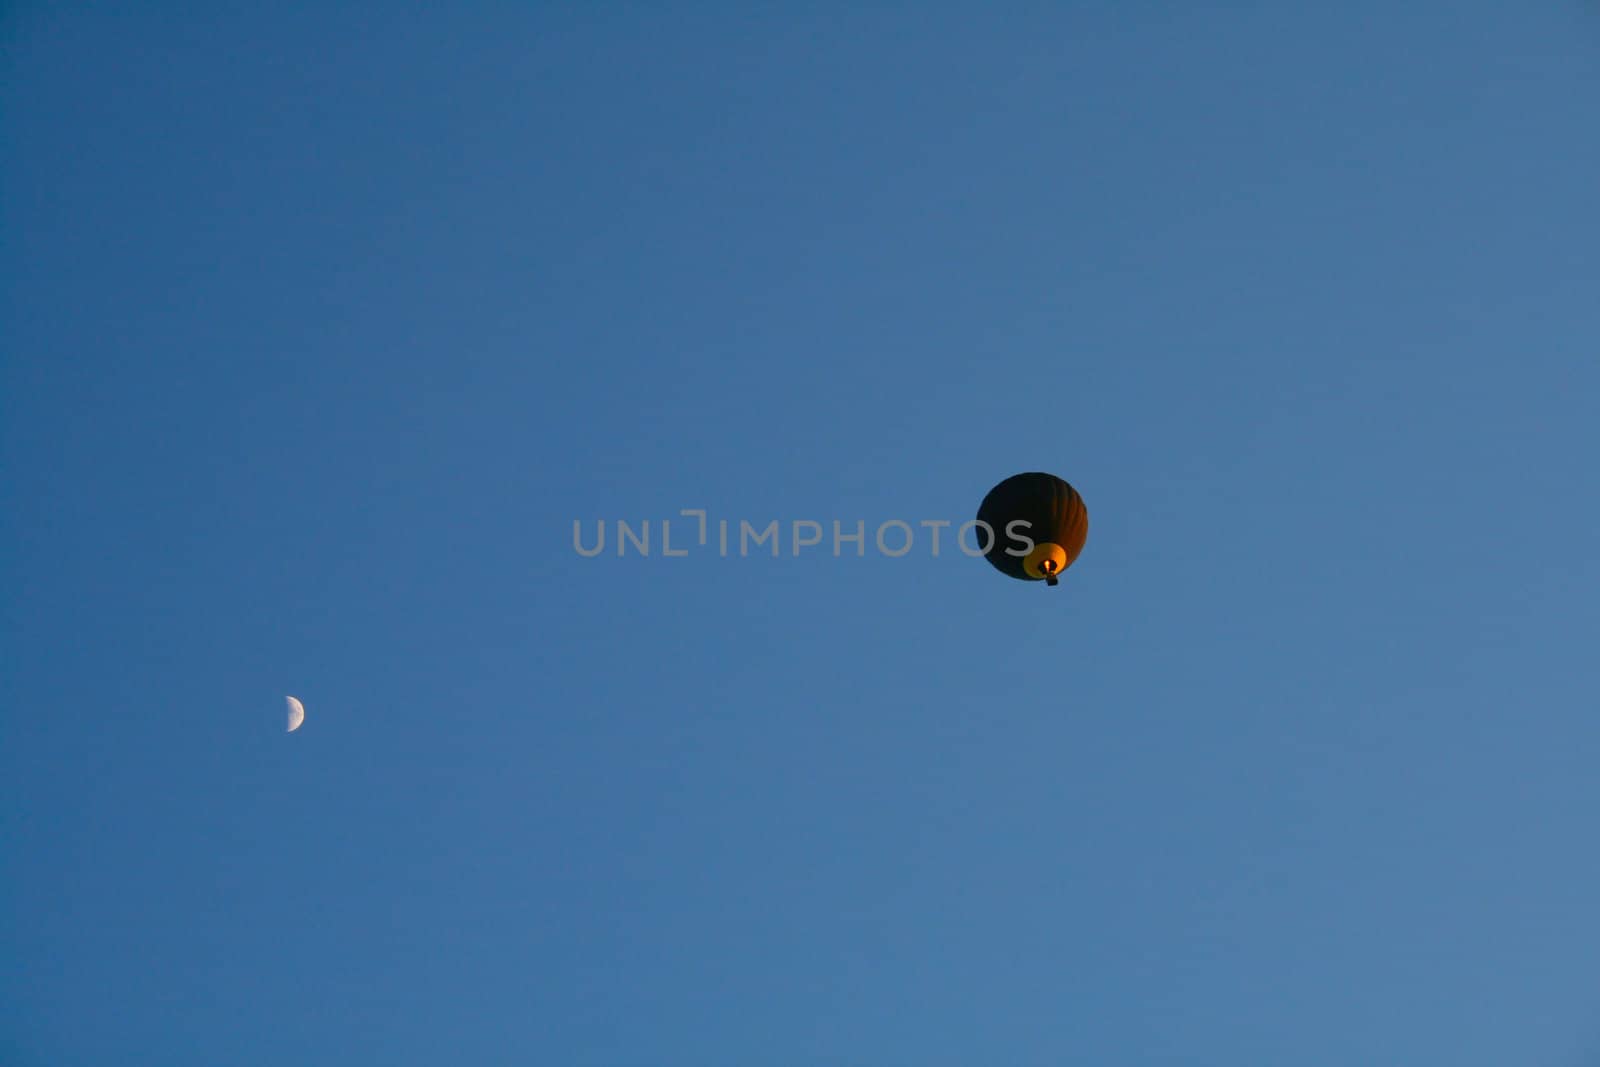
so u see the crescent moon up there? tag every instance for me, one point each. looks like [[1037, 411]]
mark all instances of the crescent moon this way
[[297, 713]]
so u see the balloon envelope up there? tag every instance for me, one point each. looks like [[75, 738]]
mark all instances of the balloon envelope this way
[[1038, 525]]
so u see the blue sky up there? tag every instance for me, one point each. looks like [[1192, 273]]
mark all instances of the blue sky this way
[[324, 324]]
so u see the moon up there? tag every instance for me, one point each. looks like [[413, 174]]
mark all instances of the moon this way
[[297, 713]]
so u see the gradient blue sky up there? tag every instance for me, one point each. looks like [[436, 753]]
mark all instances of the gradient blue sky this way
[[324, 322]]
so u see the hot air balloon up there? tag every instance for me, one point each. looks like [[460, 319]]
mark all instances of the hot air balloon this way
[[1037, 525]]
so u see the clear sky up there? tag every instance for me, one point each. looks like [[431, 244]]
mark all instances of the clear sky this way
[[324, 322]]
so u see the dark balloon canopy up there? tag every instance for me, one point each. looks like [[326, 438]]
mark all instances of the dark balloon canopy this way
[[1037, 525]]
